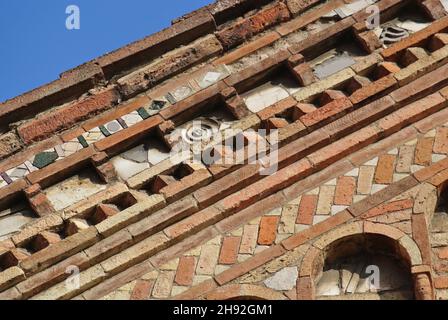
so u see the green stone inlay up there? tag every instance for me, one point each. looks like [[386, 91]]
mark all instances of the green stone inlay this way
[[143, 113], [43, 159], [83, 141], [105, 131]]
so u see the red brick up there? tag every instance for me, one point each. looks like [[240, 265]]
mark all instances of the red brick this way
[[441, 141], [319, 117], [127, 137], [229, 250], [412, 113], [415, 39], [72, 83], [142, 290], [265, 187], [250, 264], [345, 189], [157, 44], [423, 151], [388, 207], [373, 88], [243, 30], [185, 271], [434, 9], [443, 253], [422, 86], [439, 179], [316, 230], [268, 230], [64, 118], [382, 196], [304, 74], [421, 237], [194, 223], [197, 291], [428, 172], [186, 185], [247, 49], [385, 169], [344, 147], [441, 282], [307, 209], [45, 239], [307, 17], [299, 6], [277, 108]]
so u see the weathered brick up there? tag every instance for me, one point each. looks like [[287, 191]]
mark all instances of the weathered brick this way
[[298, 6], [60, 251], [423, 151], [109, 246], [388, 208], [169, 65], [307, 209], [412, 112], [229, 250], [250, 264], [249, 239], [185, 271], [385, 169], [268, 230], [337, 107], [243, 30], [441, 141], [10, 277], [155, 45], [67, 116], [345, 189], [9, 144], [370, 90], [316, 230], [142, 290]]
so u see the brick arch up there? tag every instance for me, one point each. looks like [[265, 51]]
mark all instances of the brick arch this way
[[244, 292], [314, 258]]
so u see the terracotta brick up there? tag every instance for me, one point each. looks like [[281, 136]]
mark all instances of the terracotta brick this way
[[250, 264], [197, 291], [421, 237], [304, 74], [420, 87], [441, 282], [428, 172], [142, 290], [382, 196], [305, 289], [316, 230], [193, 223], [388, 207], [385, 169], [64, 118], [307, 209], [441, 141], [378, 228], [343, 147], [369, 41], [74, 83], [167, 66], [41, 205], [109, 246], [125, 138], [60, 251], [248, 49], [412, 113], [423, 151], [247, 28], [415, 39], [434, 9], [322, 115], [268, 230], [345, 189], [229, 250], [438, 41], [208, 259], [307, 17], [265, 187], [439, 179], [45, 239], [185, 271], [443, 253], [276, 108], [369, 91], [186, 185], [227, 185], [405, 159]]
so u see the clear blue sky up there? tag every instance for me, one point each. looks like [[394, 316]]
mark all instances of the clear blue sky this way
[[35, 46]]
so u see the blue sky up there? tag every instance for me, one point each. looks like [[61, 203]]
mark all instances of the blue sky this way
[[35, 46]]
